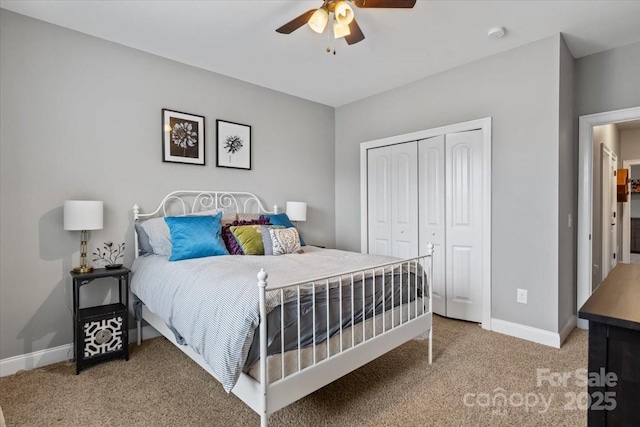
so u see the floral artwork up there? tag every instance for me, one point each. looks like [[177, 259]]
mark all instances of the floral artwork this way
[[233, 145], [183, 137]]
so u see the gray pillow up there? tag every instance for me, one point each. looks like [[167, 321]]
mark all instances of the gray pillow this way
[[144, 247]]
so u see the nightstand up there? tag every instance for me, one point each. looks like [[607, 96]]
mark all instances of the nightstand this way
[[100, 333]]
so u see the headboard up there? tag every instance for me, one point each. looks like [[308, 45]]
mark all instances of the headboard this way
[[183, 202]]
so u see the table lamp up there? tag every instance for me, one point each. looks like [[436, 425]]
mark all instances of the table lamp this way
[[297, 211], [83, 215]]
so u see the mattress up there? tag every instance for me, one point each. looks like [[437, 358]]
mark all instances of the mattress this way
[[213, 303]]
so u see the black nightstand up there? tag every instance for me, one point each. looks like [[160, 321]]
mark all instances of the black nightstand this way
[[100, 333]]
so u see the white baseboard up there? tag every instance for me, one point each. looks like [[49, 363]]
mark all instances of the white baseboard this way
[[528, 333], [38, 359]]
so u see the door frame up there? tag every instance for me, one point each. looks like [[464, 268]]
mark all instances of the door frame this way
[[605, 207], [585, 196], [480, 124], [626, 217]]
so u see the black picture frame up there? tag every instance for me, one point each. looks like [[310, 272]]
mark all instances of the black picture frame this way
[[233, 145], [183, 137]]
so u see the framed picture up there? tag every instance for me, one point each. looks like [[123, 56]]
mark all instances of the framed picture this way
[[233, 145], [182, 137]]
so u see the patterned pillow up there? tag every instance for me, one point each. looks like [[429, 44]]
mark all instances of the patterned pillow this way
[[285, 241], [249, 237], [231, 242], [266, 238]]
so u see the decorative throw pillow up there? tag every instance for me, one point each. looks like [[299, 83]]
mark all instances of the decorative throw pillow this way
[[285, 241], [266, 238], [281, 219], [247, 217], [227, 236], [249, 237], [195, 236]]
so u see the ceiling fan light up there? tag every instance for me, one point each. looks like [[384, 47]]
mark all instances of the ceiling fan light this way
[[343, 12], [340, 30], [318, 21]]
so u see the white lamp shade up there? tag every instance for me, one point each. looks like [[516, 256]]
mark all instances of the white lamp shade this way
[[83, 215], [343, 13], [318, 21], [340, 30], [297, 211]]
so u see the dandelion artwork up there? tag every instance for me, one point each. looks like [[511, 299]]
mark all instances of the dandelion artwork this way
[[183, 137], [233, 145]]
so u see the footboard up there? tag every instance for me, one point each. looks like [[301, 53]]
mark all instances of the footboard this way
[[378, 309]]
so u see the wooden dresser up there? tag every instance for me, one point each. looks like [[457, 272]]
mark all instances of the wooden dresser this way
[[613, 311], [635, 235]]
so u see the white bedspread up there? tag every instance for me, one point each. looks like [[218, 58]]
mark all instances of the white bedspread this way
[[213, 303]]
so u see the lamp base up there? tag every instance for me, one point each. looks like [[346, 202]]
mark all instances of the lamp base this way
[[85, 269]]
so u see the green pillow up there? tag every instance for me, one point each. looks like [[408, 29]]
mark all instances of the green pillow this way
[[249, 237]]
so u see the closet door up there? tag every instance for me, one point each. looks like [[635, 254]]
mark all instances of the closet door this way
[[464, 222], [379, 200], [392, 200], [431, 212], [404, 200]]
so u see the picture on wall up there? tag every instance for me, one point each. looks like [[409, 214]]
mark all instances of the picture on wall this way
[[182, 137], [233, 145]]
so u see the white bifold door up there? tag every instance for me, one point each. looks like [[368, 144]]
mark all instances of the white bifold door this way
[[393, 200], [451, 217], [430, 191]]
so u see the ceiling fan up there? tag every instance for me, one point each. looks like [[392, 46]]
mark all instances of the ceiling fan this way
[[344, 23]]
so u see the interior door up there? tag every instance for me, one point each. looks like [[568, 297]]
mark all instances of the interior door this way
[[431, 212], [464, 222], [609, 211]]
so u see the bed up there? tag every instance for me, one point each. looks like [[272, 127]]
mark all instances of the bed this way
[[272, 329]]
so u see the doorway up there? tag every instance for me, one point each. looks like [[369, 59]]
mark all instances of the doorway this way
[[586, 226]]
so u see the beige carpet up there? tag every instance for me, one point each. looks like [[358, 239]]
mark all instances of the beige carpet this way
[[160, 386]]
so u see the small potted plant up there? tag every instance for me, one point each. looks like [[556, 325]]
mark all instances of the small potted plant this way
[[109, 255]]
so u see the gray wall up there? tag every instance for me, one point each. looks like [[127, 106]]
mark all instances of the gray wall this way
[[630, 144], [81, 118], [608, 80], [568, 189], [519, 89]]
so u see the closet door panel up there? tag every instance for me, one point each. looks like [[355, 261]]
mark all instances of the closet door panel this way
[[431, 187], [464, 210], [404, 200], [379, 161]]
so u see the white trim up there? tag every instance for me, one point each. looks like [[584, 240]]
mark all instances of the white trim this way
[[585, 195], [485, 125], [540, 336], [49, 356], [626, 217]]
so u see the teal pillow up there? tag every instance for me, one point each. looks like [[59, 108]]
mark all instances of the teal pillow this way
[[282, 219], [195, 236]]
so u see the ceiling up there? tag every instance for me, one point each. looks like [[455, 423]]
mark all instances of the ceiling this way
[[237, 38]]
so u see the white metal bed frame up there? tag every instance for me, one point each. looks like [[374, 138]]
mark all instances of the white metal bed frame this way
[[266, 397]]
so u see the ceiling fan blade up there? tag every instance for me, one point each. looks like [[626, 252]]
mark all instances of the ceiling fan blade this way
[[356, 33], [395, 4], [296, 23]]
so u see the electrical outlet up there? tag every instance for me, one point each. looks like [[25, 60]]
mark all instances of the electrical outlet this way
[[522, 296]]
